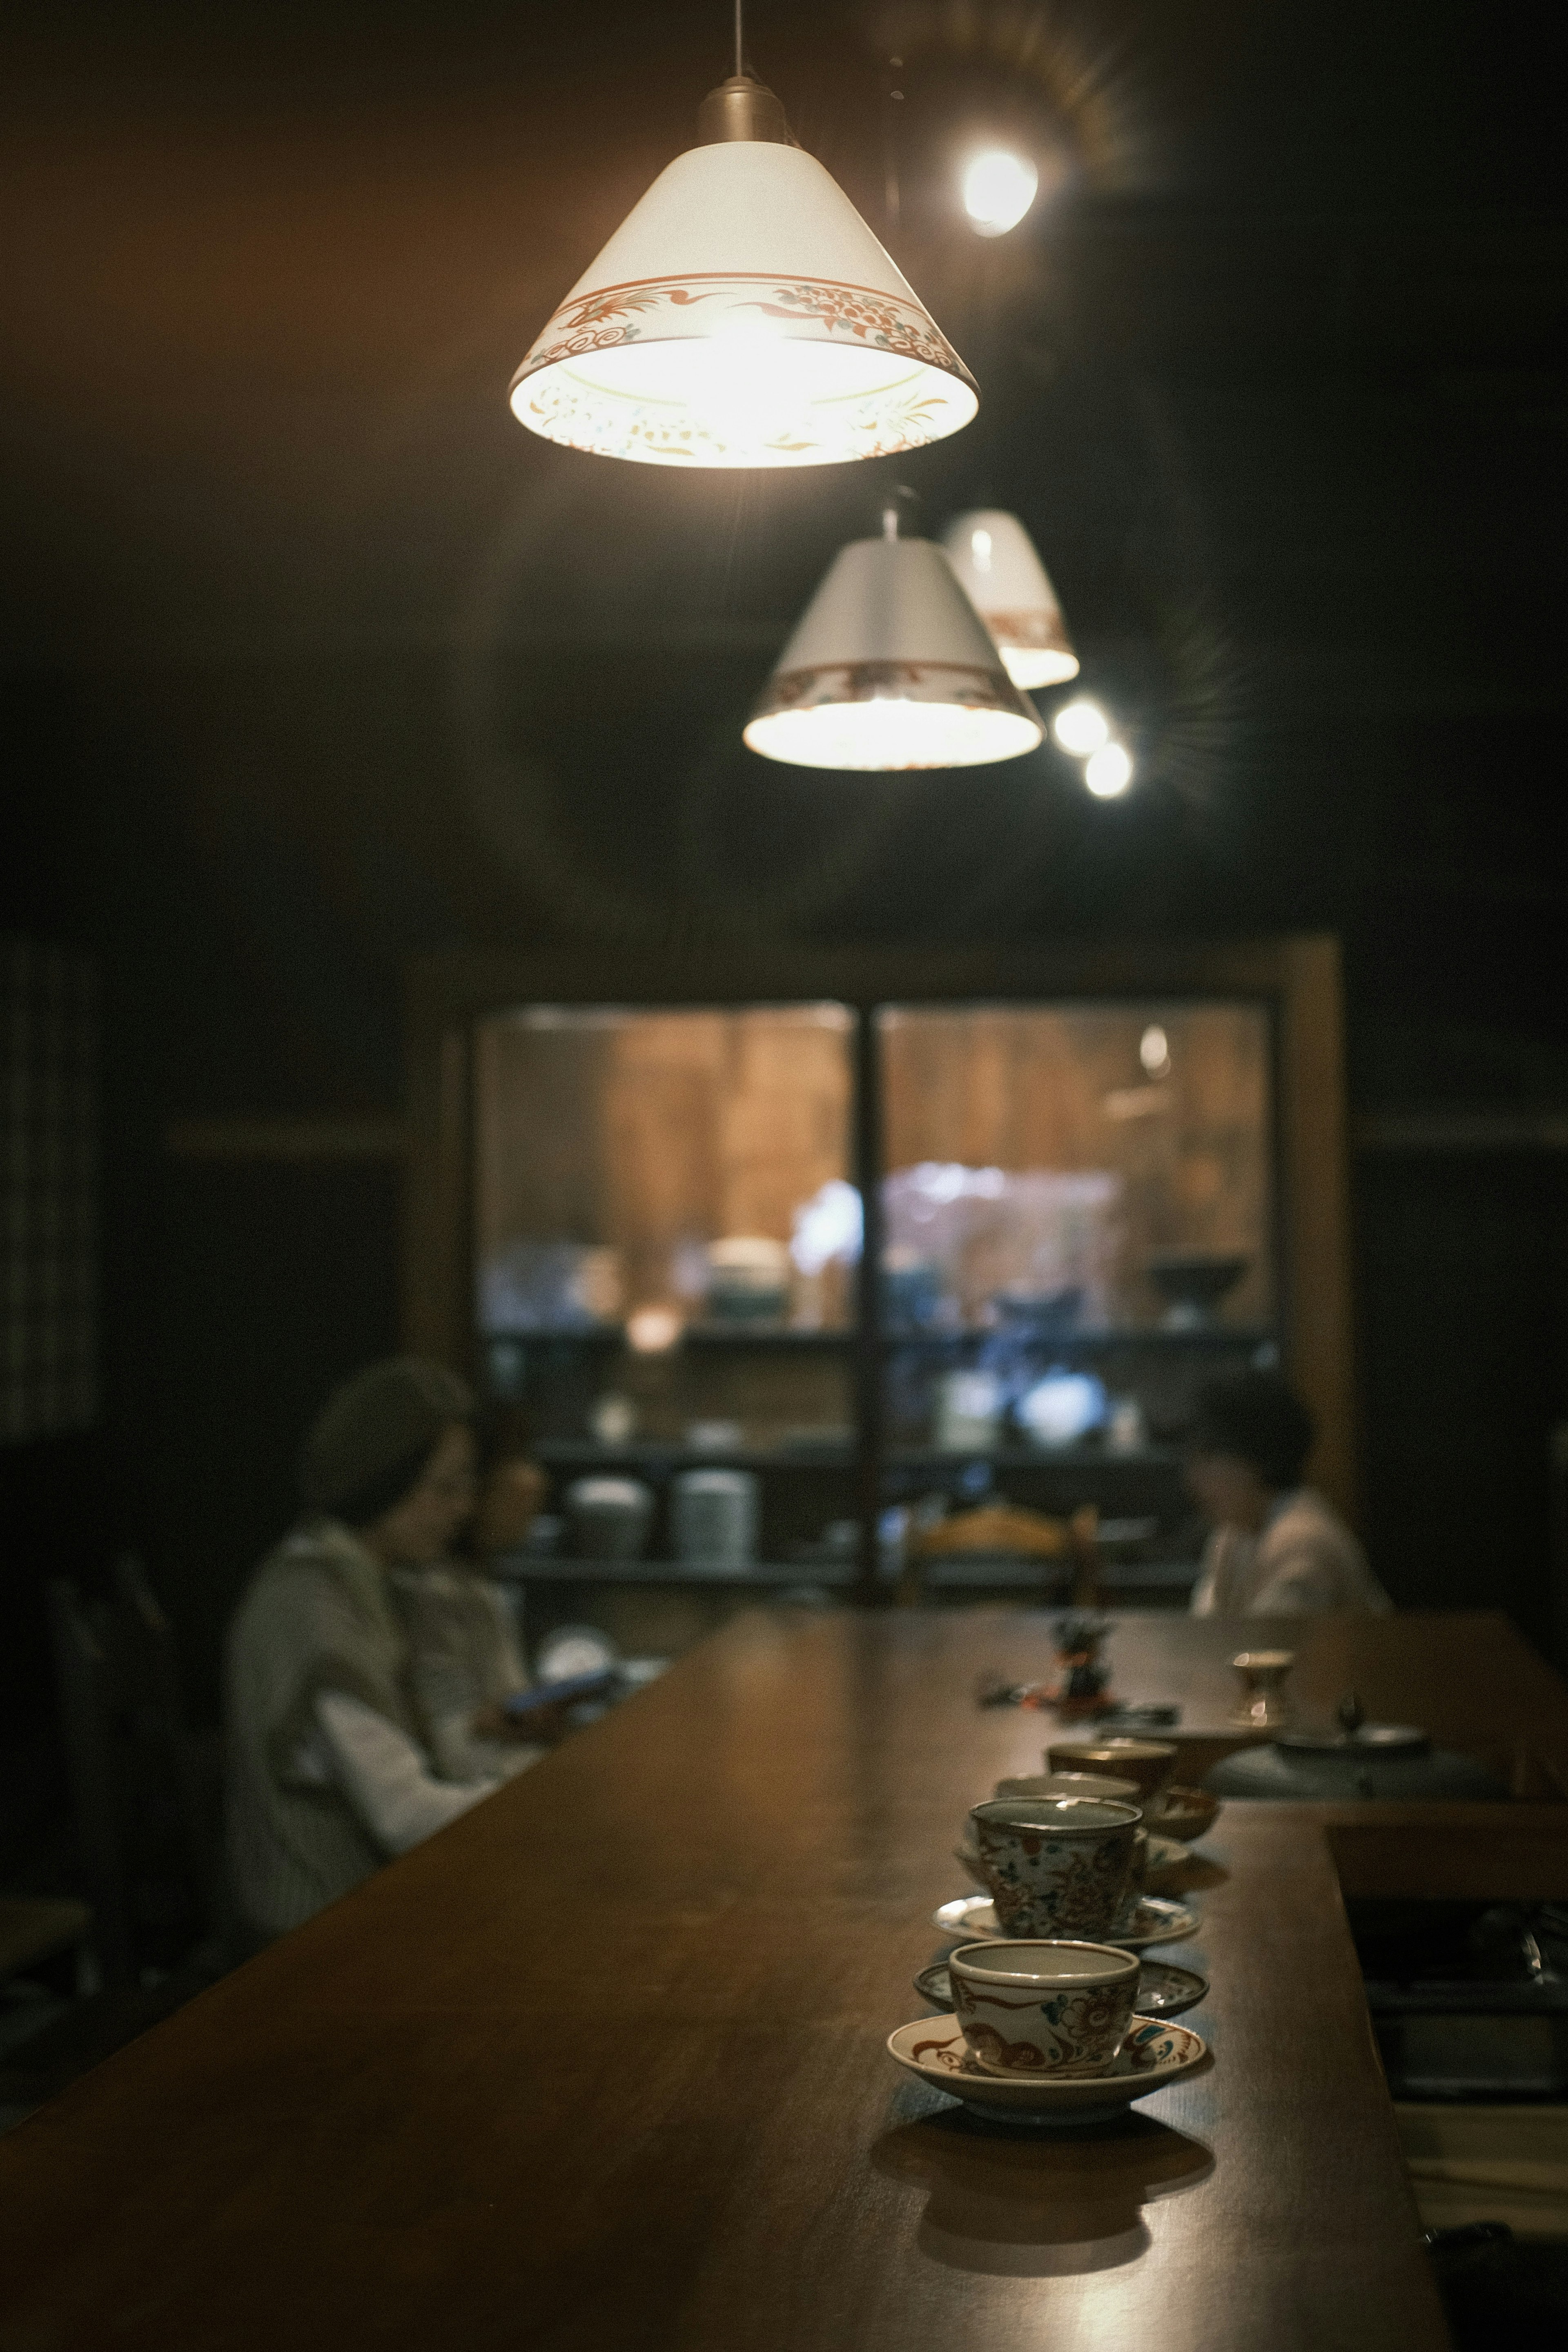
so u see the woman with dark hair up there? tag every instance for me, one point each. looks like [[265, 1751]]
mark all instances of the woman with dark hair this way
[[331, 1769], [1279, 1549]]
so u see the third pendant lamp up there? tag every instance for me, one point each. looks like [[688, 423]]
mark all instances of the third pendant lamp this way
[[1008, 585], [892, 667], [743, 314]]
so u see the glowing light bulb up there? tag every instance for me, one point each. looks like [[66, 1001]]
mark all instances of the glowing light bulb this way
[[1108, 773], [1080, 728], [979, 549], [1155, 1051], [998, 189]]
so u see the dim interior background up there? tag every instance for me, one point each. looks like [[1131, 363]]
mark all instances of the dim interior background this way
[[314, 661]]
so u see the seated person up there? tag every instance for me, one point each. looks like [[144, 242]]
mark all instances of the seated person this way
[[1277, 1549], [331, 1762], [465, 1661]]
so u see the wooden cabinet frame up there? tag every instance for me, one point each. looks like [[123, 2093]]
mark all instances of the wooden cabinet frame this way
[[1297, 978]]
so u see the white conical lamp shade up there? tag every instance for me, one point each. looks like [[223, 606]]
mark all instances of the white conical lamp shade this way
[[744, 314], [1009, 587], [891, 666]]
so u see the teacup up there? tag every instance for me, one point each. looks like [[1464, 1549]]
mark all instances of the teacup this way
[[1264, 1705], [1148, 1763], [1038, 2008], [1137, 1878], [1068, 1784], [1056, 1865]]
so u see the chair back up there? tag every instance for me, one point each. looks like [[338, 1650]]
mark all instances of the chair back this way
[[150, 1847], [88, 1707]]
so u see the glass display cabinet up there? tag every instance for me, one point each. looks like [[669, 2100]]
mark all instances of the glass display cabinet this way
[[665, 1232], [873, 1238]]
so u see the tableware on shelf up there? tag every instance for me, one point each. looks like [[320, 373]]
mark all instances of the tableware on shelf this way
[[1056, 1865], [1069, 1784], [1161, 1919], [1263, 1706], [715, 1517], [608, 1518], [1164, 1989], [748, 1279], [1181, 1812], [1035, 2007], [1147, 1762], [1154, 2054]]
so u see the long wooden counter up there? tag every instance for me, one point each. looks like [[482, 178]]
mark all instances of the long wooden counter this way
[[602, 2065]]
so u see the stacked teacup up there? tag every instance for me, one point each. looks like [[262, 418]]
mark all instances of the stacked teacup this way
[[1051, 1995]]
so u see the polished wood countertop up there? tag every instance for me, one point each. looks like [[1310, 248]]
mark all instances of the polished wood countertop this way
[[601, 2068]]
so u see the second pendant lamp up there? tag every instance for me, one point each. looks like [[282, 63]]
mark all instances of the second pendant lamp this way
[[1008, 585], [743, 314], [891, 666]]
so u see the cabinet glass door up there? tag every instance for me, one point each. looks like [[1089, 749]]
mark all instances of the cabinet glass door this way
[[1079, 1227], [666, 1236]]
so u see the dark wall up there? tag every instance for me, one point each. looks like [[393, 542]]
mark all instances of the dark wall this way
[[254, 854]]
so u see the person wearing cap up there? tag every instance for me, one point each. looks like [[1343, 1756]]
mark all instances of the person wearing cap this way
[[1278, 1548], [333, 1768]]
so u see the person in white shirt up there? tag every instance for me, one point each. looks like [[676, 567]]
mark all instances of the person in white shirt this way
[[332, 1765], [1278, 1548]]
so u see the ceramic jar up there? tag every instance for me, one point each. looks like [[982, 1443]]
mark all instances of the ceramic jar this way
[[1043, 2008], [1056, 1865]]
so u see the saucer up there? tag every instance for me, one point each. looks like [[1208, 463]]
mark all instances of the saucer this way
[[1163, 1990], [1153, 2054], [1157, 1920]]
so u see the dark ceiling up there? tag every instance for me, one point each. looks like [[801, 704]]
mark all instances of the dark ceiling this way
[[1275, 376]]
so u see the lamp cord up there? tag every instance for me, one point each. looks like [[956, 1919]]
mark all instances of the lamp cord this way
[[740, 36]]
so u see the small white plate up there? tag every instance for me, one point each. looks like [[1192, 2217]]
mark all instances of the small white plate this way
[[1152, 2055], [1157, 1920]]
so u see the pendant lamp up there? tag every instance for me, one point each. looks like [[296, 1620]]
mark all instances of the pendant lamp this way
[[743, 314], [891, 666], [995, 556]]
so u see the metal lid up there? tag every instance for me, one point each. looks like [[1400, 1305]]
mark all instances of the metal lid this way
[[1369, 1740], [1353, 1737]]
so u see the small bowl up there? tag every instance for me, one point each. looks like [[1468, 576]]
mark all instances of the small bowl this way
[[1182, 1813]]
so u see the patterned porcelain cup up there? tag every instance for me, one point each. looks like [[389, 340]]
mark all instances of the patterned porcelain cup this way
[[1030, 2008], [1137, 1878], [1056, 1865]]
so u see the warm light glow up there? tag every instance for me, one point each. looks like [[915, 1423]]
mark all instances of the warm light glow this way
[[1155, 1051], [1029, 666], [891, 732], [980, 549], [1108, 773], [745, 397], [1080, 727], [998, 189]]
